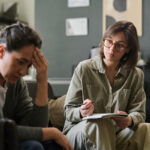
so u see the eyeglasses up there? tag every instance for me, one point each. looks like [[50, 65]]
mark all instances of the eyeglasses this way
[[118, 45]]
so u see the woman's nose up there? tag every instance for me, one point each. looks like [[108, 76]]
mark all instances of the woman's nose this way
[[112, 48]]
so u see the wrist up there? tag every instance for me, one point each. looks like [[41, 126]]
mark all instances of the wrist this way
[[42, 83], [49, 133], [81, 115], [130, 123]]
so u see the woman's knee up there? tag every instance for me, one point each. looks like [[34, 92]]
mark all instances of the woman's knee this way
[[144, 127]]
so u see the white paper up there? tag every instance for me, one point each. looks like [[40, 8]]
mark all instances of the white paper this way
[[78, 3], [76, 27], [104, 116]]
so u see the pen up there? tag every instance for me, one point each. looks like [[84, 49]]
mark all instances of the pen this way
[[77, 105]]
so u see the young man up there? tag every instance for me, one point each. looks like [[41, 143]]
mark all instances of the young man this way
[[19, 49]]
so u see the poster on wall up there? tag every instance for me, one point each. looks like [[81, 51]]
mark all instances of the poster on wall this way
[[78, 3], [76, 27], [115, 10]]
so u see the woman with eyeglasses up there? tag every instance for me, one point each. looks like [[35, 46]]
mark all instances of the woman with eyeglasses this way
[[108, 83]]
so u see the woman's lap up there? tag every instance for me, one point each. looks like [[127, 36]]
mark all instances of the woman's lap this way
[[98, 134]]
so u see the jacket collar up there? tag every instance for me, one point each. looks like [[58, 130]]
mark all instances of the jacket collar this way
[[97, 64]]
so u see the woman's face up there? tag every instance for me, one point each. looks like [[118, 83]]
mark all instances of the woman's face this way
[[16, 63], [115, 47]]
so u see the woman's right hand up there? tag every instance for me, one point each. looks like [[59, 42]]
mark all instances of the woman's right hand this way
[[87, 108], [57, 136]]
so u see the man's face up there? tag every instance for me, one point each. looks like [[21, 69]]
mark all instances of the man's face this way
[[15, 64]]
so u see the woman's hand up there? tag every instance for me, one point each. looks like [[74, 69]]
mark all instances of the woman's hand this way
[[57, 136], [123, 122], [87, 108], [41, 65]]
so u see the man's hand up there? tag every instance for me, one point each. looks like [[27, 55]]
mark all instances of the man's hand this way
[[123, 122], [41, 65], [57, 136], [87, 108]]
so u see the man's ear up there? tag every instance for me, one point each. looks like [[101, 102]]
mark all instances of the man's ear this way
[[2, 50]]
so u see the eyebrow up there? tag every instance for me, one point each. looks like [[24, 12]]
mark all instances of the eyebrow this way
[[121, 41], [116, 41], [24, 60]]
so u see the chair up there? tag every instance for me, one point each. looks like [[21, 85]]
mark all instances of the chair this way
[[32, 87], [147, 91]]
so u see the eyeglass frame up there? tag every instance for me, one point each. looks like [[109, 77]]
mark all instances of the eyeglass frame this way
[[115, 44]]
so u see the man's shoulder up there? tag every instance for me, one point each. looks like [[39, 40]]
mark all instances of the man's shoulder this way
[[18, 84]]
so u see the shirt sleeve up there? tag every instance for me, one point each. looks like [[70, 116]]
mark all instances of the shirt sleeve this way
[[136, 107], [29, 133], [74, 96], [26, 112]]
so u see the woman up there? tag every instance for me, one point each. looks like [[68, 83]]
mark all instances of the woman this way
[[109, 83]]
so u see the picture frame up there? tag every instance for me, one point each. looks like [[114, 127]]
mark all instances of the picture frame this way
[[78, 3], [76, 27], [116, 10]]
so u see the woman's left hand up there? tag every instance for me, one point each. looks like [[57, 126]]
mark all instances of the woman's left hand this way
[[123, 122]]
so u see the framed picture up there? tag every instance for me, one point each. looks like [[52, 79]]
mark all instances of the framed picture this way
[[78, 3], [76, 27], [115, 10]]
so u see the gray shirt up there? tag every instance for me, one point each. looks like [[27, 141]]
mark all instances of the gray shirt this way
[[90, 82], [29, 117], [3, 91]]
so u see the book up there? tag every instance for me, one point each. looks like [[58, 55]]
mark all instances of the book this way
[[104, 116]]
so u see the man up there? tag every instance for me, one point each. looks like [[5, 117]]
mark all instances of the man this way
[[19, 49]]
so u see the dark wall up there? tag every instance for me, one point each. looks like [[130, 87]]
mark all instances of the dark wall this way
[[145, 38], [63, 52]]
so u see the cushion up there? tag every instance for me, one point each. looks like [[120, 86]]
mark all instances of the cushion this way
[[56, 112]]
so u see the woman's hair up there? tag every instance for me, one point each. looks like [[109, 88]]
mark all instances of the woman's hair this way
[[18, 35], [128, 60]]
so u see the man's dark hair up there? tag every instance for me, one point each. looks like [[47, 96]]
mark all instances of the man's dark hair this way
[[18, 35]]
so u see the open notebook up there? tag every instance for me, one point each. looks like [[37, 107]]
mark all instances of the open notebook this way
[[104, 116]]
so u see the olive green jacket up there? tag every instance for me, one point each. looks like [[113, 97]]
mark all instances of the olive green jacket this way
[[90, 82], [28, 117]]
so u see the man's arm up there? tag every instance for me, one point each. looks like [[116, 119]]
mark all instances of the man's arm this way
[[41, 65], [43, 134]]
